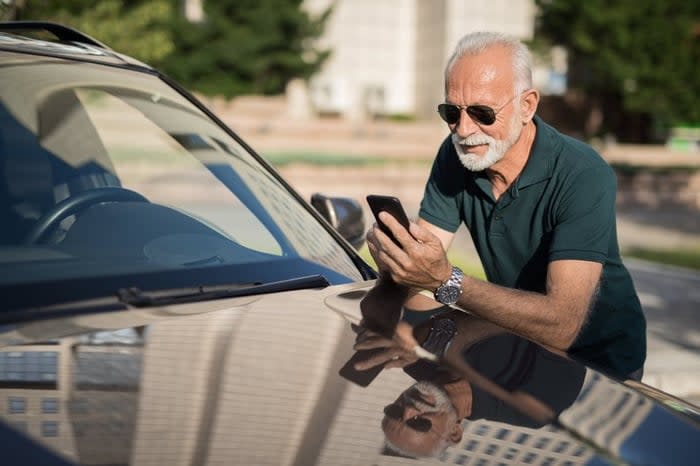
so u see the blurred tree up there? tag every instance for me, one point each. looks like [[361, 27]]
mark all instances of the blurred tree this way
[[241, 47], [637, 60], [140, 28], [247, 47]]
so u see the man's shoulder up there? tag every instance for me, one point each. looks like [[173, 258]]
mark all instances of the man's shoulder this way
[[572, 153]]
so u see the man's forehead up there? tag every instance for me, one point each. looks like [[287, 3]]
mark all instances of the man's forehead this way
[[479, 81], [488, 66]]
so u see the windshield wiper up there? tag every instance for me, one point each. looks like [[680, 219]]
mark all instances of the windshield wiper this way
[[138, 298]]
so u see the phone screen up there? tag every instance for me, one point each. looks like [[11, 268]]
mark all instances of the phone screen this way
[[361, 378], [390, 204]]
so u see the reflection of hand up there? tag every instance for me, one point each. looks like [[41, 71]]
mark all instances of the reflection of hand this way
[[382, 306], [394, 354]]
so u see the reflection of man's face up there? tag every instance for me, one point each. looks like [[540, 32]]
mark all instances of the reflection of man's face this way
[[422, 421]]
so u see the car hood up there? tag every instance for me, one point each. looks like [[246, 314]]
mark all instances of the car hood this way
[[254, 381]]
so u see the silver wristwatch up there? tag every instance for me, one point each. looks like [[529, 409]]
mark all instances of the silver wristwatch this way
[[448, 292]]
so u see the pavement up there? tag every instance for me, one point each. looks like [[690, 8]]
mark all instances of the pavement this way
[[670, 296]]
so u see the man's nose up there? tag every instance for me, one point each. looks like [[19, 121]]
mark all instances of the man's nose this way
[[465, 126]]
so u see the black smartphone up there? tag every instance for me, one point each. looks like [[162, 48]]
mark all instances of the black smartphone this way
[[392, 205], [361, 378]]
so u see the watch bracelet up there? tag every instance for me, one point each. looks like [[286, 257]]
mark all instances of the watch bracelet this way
[[442, 332]]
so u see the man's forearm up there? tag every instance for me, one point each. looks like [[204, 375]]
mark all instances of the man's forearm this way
[[536, 316]]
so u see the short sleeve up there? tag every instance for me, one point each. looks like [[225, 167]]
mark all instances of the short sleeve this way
[[442, 198], [585, 216]]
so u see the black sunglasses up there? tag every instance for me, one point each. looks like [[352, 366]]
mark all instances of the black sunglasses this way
[[395, 411], [482, 114]]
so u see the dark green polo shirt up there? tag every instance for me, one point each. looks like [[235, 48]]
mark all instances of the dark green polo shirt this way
[[562, 206]]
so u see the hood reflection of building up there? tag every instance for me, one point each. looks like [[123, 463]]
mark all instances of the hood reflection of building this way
[[59, 392], [261, 388]]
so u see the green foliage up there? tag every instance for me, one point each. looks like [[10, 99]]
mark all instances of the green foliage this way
[[642, 53], [242, 46], [247, 47], [137, 28]]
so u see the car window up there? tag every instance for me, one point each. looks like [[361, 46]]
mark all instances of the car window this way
[[105, 170], [167, 167]]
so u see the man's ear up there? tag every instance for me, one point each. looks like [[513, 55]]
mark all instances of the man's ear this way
[[455, 435], [528, 104]]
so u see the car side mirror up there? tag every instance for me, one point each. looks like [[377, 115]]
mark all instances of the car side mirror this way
[[344, 214]]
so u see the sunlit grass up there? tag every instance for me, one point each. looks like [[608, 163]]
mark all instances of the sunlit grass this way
[[327, 159], [689, 258], [467, 265], [280, 159]]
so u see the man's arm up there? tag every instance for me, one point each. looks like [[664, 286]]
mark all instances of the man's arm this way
[[553, 318]]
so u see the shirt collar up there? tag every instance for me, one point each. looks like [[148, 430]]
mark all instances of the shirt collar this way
[[540, 163]]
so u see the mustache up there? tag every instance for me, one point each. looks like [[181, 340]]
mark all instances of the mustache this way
[[415, 397], [473, 140]]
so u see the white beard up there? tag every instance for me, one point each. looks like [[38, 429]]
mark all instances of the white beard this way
[[496, 151], [442, 401]]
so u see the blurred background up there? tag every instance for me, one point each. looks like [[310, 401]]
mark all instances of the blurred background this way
[[340, 95]]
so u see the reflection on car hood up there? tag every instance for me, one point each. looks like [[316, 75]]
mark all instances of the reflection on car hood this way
[[254, 381]]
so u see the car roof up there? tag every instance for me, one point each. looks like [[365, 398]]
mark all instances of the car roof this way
[[55, 40]]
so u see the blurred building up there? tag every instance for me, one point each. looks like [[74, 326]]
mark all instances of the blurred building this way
[[388, 57]]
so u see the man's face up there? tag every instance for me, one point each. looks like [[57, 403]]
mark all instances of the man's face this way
[[426, 401], [484, 79]]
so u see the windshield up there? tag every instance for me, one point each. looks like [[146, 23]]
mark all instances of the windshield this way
[[106, 171]]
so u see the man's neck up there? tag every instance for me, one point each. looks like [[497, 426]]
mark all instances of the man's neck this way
[[503, 173]]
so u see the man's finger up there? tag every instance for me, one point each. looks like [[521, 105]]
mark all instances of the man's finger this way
[[422, 235], [375, 360], [373, 342], [402, 235], [397, 363], [404, 336]]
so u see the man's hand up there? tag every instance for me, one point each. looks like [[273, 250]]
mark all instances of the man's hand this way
[[395, 352], [420, 261]]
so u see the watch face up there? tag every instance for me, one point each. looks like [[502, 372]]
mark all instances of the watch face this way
[[448, 294]]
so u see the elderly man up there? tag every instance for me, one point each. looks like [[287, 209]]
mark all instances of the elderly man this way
[[540, 208]]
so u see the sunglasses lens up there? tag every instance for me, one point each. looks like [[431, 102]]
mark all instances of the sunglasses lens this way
[[395, 411], [449, 113], [481, 113], [420, 424]]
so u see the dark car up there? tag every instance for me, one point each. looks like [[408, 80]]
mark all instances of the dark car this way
[[167, 299]]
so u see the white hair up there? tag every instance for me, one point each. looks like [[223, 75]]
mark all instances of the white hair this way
[[477, 42], [436, 452]]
